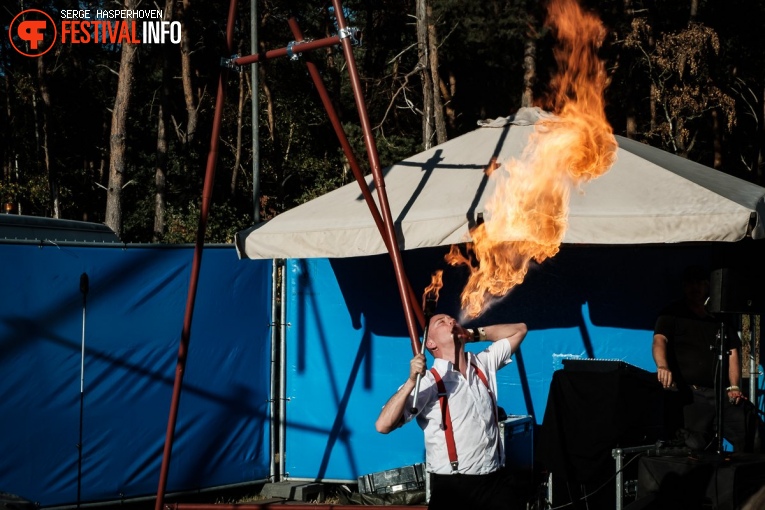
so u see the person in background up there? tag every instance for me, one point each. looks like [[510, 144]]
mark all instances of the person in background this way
[[457, 410], [686, 351]]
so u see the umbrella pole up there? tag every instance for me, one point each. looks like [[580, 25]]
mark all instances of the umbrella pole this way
[[318, 82], [374, 164]]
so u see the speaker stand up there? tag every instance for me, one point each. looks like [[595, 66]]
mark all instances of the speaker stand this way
[[722, 370]]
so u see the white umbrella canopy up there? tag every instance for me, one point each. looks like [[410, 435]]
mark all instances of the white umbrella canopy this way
[[648, 196]]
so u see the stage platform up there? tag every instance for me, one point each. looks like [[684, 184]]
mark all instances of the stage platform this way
[[698, 481]]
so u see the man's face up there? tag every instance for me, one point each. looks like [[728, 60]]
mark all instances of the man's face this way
[[441, 331], [696, 291]]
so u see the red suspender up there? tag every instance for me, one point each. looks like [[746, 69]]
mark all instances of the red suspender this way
[[483, 379], [446, 418], [493, 404], [446, 421]]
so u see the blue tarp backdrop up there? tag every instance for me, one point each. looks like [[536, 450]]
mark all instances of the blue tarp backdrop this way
[[132, 324], [348, 348]]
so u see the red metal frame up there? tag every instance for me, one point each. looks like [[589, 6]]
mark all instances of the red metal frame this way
[[318, 82], [280, 504], [374, 164], [382, 217]]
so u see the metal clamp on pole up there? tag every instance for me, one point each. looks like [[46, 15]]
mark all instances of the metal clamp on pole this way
[[230, 63], [291, 53], [351, 33]]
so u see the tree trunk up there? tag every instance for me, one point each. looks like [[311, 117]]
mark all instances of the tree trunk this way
[[255, 113], [717, 143], [694, 10], [653, 94], [163, 115], [529, 70], [102, 162], [10, 150], [427, 85], [447, 92], [50, 171], [631, 117], [239, 116], [118, 135], [189, 96], [269, 103], [160, 174], [438, 107], [10, 161], [759, 160]]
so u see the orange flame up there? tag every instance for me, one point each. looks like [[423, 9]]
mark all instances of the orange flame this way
[[436, 282], [528, 214]]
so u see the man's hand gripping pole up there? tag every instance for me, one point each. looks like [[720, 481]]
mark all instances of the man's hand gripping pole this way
[[428, 311]]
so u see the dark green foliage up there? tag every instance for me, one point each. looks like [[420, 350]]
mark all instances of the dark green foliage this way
[[481, 52]]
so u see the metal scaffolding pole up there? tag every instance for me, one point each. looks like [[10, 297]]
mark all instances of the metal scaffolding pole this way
[[382, 217]]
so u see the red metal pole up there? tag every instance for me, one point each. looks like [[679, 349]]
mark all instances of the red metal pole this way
[[280, 504], [196, 263], [352, 161], [283, 52], [374, 164]]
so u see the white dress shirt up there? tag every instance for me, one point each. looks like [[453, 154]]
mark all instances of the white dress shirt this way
[[472, 409]]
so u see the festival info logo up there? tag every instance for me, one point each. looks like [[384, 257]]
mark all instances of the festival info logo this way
[[32, 33]]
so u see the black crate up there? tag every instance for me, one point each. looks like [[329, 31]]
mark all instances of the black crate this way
[[393, 480], [517, 435]]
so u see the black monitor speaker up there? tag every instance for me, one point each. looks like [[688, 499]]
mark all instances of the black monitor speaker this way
[[736, 291]]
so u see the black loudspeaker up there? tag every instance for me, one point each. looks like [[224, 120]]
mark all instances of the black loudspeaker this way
[[734, 291]]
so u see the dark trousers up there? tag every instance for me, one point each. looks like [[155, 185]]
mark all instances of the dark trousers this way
[[487, 492], [699, 420]]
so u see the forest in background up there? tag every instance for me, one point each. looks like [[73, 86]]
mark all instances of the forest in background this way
[[119, 134]]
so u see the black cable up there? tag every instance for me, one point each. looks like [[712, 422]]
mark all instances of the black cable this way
[[585, 496]]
